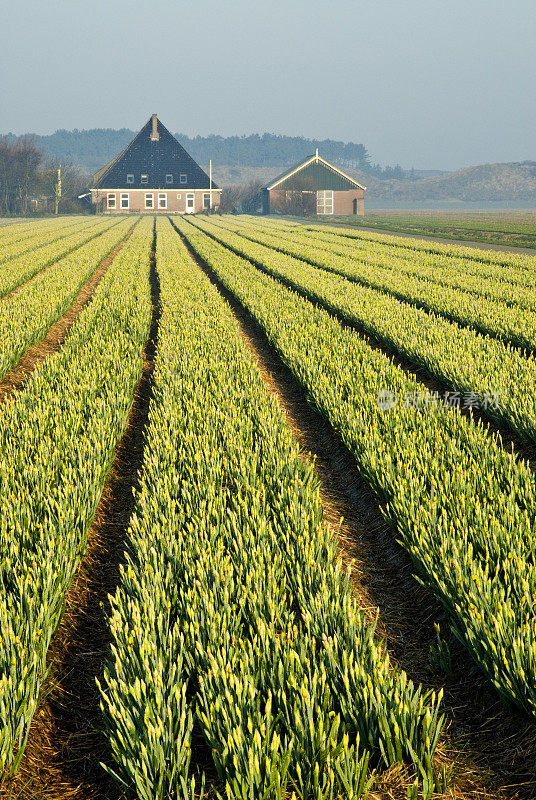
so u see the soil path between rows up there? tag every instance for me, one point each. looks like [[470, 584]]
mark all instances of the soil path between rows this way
[[494, 749], [56, 335], [66, 742]]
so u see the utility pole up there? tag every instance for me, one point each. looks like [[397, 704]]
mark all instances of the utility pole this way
[[58, 193], [210, 184]]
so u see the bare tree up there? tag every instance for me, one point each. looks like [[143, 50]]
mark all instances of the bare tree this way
[[19, 162], [73, 182], [230, 199], [241, 197], [251, 200]]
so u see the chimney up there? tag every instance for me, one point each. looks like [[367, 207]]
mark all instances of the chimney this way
[[154, 133]]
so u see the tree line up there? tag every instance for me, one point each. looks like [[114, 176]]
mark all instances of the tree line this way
[[29, 164], [94, 148], [29, 179]]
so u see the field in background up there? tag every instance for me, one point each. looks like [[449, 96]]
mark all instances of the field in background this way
[[515, 228]]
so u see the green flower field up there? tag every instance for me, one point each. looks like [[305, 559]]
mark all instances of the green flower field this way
[[232, 641]]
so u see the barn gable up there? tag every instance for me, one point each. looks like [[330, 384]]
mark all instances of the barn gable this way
[[154, 159], [314, 186], [317, 173]]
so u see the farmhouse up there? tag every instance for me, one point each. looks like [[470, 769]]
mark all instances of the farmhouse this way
[[319, 186], [153, 174]]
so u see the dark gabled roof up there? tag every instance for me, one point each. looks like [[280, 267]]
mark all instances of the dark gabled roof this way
[[103, 170], [318, 172], [154, 156]]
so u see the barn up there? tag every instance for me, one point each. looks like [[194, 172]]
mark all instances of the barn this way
[[315, 186], [154, 173]]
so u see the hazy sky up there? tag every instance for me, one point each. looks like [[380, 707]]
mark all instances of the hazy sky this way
[[426, 83]]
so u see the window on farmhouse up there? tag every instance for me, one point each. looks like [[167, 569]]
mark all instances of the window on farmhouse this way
[[206, 200], [324, 202], [149, 201], [145, 179], [162, 200], [184, 178], [111, 201], [169, 178], [130, 179], [124, 200]]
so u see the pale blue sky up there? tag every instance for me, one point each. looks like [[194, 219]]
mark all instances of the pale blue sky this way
[[426, 83]]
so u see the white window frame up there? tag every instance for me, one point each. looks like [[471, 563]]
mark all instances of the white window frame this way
[[124, 197], [149, 200], [324, 201], [169, 178], [130, 179], [179, 196], [190, 197], [183, 178], [111, 200], [144, 178], [206, 200], [162, 198]]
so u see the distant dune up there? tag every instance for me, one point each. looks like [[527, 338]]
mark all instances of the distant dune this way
[[486, 182]]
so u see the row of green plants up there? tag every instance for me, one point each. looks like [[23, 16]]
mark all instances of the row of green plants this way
[[480, 372], [25, 266], [435, 248], [510, 323], [19, 231], [233, 626], [508, 285], [464, 508], [13, 247], [27, 315], [519, 272], [502, 227], [513, 267], [57, 443]]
